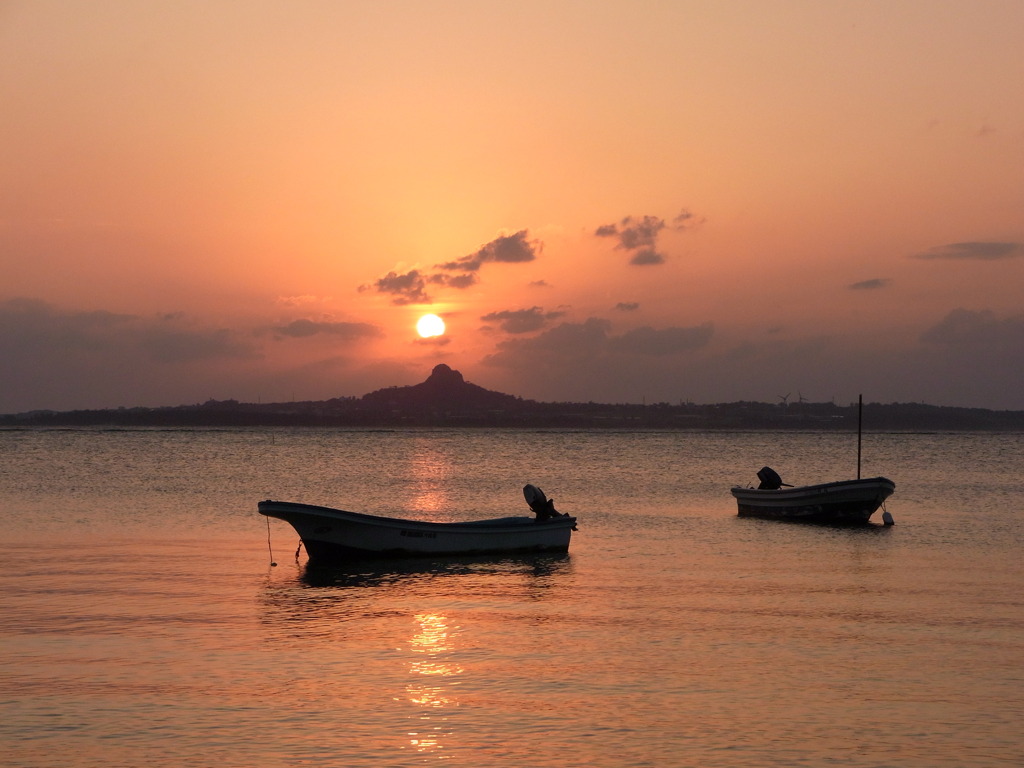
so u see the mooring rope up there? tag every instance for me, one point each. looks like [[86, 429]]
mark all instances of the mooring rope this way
[[269, 548]]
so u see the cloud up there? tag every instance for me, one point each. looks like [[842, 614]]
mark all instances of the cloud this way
[[640, 236], [433, 341], [588, 361], [664, 341], [627, 306], [411, 287], [633, 233], [508, 249], [870, 285], [34, 328], [299, 329], [408, 288], [970, 357], [965, 327], [593, 341], [646, 258], [685, 220], [564, 342], [455, 281], [521, 320], [973, 251], [302, 301], [54, 358], [173, 345]]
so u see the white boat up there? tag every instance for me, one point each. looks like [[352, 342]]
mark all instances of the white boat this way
[[846, 502], [336, 534]]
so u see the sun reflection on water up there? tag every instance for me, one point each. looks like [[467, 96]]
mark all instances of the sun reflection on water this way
[[430, 470], [431, 688]]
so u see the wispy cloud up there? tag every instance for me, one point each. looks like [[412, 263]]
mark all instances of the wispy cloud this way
[[54, 357], [593, 340], [454, 281], [973, 251], [686, 220], [870, 285], [407, 288], [300, 329], [508, 249], [633, 233], [639, 236], [306, 300], [646, 257], [32, 327], [967, 327], [657, 342], [522, 320], [411, 287], [433, 341]]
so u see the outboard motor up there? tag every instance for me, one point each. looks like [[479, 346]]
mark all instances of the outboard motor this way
[[542, 506], [770, 480]]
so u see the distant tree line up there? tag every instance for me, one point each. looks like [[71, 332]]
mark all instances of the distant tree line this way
[[391, 408]]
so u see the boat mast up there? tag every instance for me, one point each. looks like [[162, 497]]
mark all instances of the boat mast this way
[[860, 409]]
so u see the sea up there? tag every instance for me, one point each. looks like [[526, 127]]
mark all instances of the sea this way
[[149, 616]]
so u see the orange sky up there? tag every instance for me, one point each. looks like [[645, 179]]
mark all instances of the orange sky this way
[[606, 201]]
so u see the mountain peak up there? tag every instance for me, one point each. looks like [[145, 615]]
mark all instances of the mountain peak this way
[[443, 376], [444, 389]]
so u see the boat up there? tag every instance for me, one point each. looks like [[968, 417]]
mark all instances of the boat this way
[[845, 502], [330, 534]]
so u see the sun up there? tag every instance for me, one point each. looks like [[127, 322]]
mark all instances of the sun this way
[[430, 325]]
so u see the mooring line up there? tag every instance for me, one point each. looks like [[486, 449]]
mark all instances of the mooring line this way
[[269, 548]]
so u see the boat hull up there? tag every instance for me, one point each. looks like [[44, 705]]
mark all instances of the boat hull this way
[[847, 502], [335, 534]]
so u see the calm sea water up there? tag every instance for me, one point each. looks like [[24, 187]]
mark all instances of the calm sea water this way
[[141, 622]]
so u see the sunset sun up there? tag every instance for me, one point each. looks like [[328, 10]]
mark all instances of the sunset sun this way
[[430, 325]]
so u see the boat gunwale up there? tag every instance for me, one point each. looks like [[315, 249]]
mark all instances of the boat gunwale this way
[[283, 509], [819, 488]]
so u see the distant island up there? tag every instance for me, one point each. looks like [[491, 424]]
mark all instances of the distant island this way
[[446, 399]]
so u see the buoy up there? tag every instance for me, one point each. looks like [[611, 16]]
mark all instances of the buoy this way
[[887, 518]]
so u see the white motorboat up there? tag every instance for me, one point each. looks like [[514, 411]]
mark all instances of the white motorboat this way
[[843, 502], [336, 534]]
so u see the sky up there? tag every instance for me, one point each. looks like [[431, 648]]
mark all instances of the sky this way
[[605, 200]]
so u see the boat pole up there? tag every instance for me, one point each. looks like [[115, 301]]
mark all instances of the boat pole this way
[[860, 411]]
